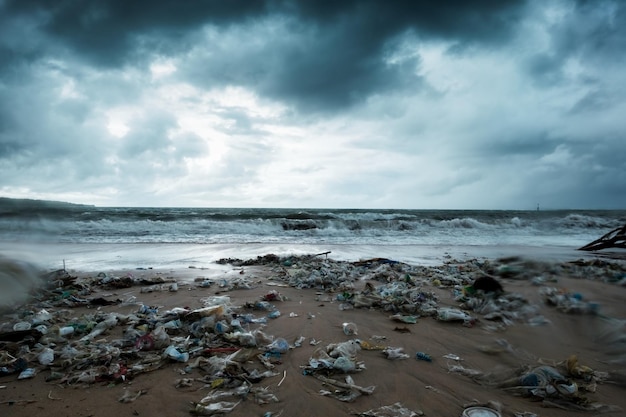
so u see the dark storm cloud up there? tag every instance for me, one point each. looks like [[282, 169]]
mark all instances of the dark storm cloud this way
[[108, 32], [343, 62], [337, 60]]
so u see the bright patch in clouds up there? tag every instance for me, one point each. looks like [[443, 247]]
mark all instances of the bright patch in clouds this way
[[162, 68], [117, 128]]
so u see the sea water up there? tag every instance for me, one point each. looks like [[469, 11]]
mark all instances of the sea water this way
[[109, 237]]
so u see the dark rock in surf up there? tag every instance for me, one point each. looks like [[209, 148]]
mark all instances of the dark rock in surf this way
[[299, 226]]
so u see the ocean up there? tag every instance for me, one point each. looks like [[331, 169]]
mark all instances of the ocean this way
[[122, 237]]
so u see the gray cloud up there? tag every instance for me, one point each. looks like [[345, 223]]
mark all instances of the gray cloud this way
[[335, 61], [277, 102], [585, 31]]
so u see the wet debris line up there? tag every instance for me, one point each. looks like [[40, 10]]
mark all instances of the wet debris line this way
[[67, 333]]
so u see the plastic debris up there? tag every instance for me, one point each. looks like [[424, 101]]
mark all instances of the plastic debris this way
[[568, 302], [395, 353], [221, 341], [393, 410], [217, 408], [27, 373], [349, 329], [404, 318], [453, 314]]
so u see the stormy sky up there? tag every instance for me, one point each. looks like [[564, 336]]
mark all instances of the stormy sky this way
[[488, 104]]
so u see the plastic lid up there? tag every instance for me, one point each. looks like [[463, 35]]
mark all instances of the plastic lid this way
[[22, 325], [480, 412]]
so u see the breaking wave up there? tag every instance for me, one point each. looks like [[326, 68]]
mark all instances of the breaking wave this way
[[86, 224]]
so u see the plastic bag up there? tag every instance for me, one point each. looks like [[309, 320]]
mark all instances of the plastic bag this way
[[279, 345], [348, 349], [221, 407], [160, 337], [344, 364], [46, 357]]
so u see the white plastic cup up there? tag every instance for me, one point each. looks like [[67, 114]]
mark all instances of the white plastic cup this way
[[21, 326], [480, 412]]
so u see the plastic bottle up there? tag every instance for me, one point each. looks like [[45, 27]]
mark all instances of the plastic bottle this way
[[423, 357], [236, 325]]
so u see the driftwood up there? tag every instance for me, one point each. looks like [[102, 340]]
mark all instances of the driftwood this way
[[616, 238]]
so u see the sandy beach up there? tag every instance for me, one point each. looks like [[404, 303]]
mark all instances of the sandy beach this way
[[183, 341]]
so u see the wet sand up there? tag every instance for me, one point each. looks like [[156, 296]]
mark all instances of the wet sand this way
[[492, 349]]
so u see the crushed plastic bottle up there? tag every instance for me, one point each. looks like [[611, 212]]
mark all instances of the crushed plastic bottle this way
[[100, 328]]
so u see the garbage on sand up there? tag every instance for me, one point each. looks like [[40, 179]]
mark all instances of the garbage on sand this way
[[227, 344], [112, 347], [568, 302], [563, 385]]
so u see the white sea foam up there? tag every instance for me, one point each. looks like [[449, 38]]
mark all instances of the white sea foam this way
[[98, 257]]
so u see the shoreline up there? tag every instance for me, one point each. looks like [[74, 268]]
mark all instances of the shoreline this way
[[97, 256]]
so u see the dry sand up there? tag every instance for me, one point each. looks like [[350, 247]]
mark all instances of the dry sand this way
[[489, 347]]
